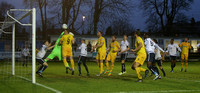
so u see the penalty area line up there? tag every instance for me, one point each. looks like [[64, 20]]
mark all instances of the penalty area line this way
[[49, 88]]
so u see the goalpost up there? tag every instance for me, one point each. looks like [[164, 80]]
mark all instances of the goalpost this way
[[15, 16]]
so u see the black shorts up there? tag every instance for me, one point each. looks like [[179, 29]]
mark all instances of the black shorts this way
[[82, 59], [159, 62], [124, 56], [151, 57], [173, 57], [41, 61]]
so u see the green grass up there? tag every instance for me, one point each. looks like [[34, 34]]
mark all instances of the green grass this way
[[55, 77]]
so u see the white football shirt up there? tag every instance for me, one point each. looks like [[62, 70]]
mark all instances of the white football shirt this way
[[83, 48], [25, 52], [149, 45], [172, 49], [157, 53], [124, 45], [41, 52]]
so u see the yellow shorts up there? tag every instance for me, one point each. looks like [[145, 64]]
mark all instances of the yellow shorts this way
[[184, 56], [141, 58], [66, 52], [101, 56], [111, 57]]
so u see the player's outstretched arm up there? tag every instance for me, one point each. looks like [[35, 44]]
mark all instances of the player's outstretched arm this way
[[51, 46], [156, 45], [179, 49]]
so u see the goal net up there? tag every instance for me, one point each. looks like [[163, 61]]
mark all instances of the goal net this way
[[18, 45]]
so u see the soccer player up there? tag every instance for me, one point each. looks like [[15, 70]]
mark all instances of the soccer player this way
[[66, 42], [141, 56], [56, 52], [158, 58], [25, 53], [172, 50], [101, 54], [113, 49], [82, 57], [124, 48], [184, 55], [39, 57], [150, 46]]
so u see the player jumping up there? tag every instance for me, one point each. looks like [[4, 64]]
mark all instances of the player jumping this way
[[185, 52], [141, 56], [113, 49], [66, 42]]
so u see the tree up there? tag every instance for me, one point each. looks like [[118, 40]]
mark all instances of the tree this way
[[66, 12], [165, 10], [42, 5], [4, 7], [108, 10], [121, 26]]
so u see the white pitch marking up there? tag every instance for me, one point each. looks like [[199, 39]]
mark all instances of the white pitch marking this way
[[162, 91]]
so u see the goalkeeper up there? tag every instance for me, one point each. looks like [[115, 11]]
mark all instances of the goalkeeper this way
[[57, 51]]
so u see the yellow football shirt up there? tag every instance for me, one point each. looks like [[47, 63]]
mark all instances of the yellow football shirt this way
[[103, 47], [67, 41], [142, 49], [185, 47], [114, 46]]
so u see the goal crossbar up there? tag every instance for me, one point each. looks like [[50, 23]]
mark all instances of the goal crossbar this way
[[7, 24]]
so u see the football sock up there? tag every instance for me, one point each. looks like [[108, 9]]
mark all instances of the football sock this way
[[182, 64], [39, 68], [72, 63], [65, 63], [156, 69], [98, 63], [138, 72], [107, 65], [111, 68], [86, 68], [101, 67], [123, 67], [152, 70], [186, 65], [172, 67], [44, 67], [163, 71], [79, 68]]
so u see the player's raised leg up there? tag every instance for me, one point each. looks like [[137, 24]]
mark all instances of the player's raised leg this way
[[141, 56]]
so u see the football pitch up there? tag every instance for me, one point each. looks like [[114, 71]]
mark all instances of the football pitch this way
[[56, 78]]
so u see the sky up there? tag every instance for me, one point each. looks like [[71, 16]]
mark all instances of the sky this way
[[137, 19]]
